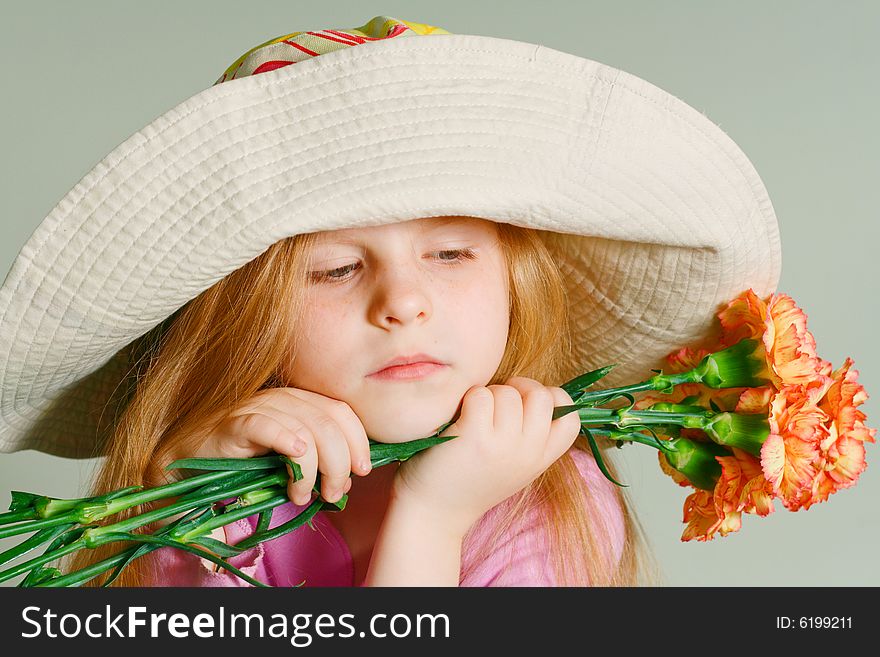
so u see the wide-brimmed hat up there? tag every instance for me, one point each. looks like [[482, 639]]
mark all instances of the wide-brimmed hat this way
[[652, 213]]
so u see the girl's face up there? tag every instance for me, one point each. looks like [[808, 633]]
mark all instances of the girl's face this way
[[435, 286]]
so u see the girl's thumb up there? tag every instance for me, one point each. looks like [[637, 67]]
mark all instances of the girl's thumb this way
[[477, 401]]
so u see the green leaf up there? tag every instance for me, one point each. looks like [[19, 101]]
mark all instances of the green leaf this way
[[265, 519], [338, 505], [42, 536], [384, 453], [106, 497], [232, 480], [190, 521], [39, 576], [21, 500], [218, 547], [294, 467], [592, 402], [598, 456], [299, 520], [254, 463], [443, 428], [165, 542], [129, 556], [584, 381], [652, 441]]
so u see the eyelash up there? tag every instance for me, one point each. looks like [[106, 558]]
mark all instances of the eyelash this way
[[461, 255]]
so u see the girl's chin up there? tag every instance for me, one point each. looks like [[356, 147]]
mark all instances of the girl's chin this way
[[399, 425], [399, 432]]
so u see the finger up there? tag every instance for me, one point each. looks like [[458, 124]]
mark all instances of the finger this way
[[334, 458], [305, 453], [351, 425], [508, 414], [333, 454], [330, 443], [245, 432], [537, 409], [300, 491], [477, 412], [563, 430], [255, 433]]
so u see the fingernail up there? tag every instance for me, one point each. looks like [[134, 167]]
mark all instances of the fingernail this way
[[365, 466], [299, 446]]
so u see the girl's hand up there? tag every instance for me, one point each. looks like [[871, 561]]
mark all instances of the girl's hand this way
[[318, 432], [505, 440]]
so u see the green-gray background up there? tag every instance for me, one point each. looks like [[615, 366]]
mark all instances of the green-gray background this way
[[793, 83]]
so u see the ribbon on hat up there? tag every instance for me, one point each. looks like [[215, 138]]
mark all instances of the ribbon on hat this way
[[298, 46]]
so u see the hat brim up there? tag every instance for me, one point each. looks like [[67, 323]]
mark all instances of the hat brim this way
[[654, 214]]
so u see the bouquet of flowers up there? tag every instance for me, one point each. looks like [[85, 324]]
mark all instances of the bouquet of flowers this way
[[782, 424], [759, 417]]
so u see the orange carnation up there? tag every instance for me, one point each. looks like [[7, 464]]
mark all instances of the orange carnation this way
[[842, 452], [699, 513], [790, 455], [741, 487], [782, 326]]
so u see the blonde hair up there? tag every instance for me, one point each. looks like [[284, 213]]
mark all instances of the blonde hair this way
[[192, 370]]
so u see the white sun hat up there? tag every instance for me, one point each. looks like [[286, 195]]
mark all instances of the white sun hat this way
[[654, 215]]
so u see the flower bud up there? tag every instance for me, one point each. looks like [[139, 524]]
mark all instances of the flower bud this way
[[696, 461], [744, 365], [744, 431]]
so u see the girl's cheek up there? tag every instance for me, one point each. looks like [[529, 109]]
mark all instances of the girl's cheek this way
[[329, 306]]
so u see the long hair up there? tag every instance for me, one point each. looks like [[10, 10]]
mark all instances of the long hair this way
[[232, 341]]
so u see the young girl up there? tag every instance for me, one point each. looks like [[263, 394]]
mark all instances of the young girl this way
[[456, 289], [246, 273]]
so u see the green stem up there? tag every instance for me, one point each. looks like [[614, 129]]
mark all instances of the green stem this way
[[89, 510], [259, 495], [32, 543], [625, 417], [93, 533], [660, 382], [270, 502], [299, 520], [17, 516], [42, 560], [92, 537], [78, 577], [90, 514], [36, 525]]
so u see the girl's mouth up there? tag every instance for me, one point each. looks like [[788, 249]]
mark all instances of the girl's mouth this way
[[409, 372]]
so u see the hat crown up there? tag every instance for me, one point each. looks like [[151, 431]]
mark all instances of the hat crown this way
[[295, 47]]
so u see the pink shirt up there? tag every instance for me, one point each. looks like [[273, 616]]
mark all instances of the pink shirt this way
[[320, 556]]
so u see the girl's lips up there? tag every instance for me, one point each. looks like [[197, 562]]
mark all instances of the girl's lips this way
[[407, 372]]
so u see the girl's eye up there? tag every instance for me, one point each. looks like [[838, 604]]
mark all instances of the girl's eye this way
[[341, 273], [332, 275], [458, 255]]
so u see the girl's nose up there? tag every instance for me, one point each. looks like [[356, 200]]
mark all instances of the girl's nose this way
[[400, 297]]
